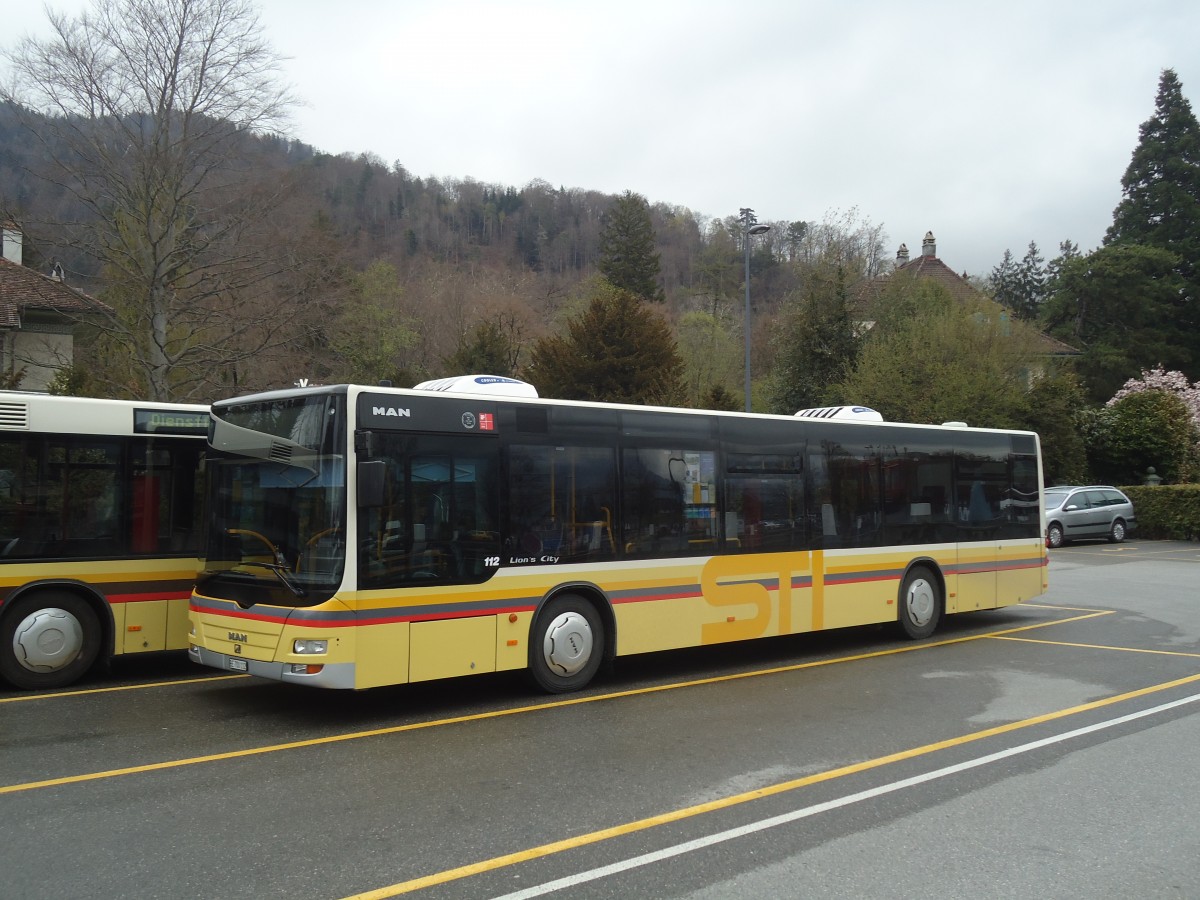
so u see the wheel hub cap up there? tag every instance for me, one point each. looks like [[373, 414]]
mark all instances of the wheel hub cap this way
[[920, 602], [47, 640], [568, 643]]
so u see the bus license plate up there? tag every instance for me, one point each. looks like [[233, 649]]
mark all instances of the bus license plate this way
[[239, 665]]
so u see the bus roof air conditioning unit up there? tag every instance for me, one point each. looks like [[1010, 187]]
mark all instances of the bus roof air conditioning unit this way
[[857, 413], [479, 384]]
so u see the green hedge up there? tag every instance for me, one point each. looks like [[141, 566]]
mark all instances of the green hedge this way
[[1166, 512]]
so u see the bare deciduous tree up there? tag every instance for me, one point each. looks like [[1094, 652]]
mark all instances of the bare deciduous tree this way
[[148, 112]]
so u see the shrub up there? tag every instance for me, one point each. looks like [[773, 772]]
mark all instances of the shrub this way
[[1166, 512]]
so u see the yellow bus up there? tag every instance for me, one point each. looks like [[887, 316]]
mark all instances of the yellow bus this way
[[364, 536], [100, 509]]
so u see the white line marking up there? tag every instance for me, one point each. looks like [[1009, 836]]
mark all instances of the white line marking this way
[[796, 815]]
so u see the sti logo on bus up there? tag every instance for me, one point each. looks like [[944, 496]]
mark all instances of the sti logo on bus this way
[[391, 411]]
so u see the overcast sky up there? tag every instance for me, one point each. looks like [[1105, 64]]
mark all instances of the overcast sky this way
[[991, 124]]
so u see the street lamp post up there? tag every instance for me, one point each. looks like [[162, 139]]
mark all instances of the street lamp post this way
[[749, 227]]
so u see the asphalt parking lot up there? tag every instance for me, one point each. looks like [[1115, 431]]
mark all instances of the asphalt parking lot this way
[[1039, 750]]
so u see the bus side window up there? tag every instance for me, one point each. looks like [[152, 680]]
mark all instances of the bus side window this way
[[669, 502], [767, 511], [561, 504]]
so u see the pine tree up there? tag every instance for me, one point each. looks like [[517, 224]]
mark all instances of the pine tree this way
[[627, 257]]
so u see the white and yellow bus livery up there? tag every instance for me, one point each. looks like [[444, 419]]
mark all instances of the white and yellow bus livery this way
[[364, 536], [100, 508]]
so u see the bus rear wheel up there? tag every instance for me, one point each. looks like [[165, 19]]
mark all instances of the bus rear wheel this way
[[567, 644], [920, 603], [48, 640]]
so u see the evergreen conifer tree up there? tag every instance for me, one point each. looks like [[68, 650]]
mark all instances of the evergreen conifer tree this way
[[1160, 204], [617, 351], [1003, 281], [627, 257], [1031, 284]]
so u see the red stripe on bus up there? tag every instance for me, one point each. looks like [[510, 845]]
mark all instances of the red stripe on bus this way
[[142, 598]]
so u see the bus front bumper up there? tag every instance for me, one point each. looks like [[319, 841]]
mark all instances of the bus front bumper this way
[[329, 675]]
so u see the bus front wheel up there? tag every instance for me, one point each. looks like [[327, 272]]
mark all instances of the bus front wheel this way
[[567, 644], [48, 640], [920, 603]]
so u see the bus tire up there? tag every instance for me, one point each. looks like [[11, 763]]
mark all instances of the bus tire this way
[[48, 639], [567, 644], [920, 603]]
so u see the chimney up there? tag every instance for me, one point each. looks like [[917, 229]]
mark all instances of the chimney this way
[[10, 242], [929, 245], [902, 256]]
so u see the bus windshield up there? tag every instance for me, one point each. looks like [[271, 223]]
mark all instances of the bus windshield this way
[[276, 523]]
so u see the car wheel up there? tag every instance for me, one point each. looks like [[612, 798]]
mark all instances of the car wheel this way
[[567, 644], [1116, 534], [1054, 535]]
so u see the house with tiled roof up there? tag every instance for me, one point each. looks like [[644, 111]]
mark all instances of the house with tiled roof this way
[[38, 316], [927, 265]]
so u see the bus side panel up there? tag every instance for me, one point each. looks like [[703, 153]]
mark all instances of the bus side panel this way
[[862, 587], [177, 624], [452, 647], [512, 640], [118, 618], [643, 627], [1022, 572], [145, 626], [977, 564], [751, 596], [381, 654]]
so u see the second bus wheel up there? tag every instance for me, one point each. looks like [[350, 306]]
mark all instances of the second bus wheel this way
[[48, 639], [566, 645], [920, 603]]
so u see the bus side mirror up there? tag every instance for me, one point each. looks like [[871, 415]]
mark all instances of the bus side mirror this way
[[372, 475]]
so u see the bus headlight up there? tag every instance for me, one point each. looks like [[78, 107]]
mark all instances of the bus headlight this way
[[310, 647]]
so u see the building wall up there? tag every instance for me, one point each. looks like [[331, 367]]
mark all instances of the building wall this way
[[41, 352]]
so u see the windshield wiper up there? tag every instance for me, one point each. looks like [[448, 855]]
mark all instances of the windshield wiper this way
[[280, 573]]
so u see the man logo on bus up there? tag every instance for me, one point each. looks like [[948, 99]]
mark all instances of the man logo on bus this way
[[391, 411]]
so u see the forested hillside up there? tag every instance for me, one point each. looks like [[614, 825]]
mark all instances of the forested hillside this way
[[363, 247]]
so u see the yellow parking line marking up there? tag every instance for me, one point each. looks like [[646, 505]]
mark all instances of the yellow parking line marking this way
[[1065, 608], [688, 812], [1098, 647], [25, 698], [495, 714]]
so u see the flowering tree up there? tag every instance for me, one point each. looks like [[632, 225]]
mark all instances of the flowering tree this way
[[1157, 379], [1154, 420]]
